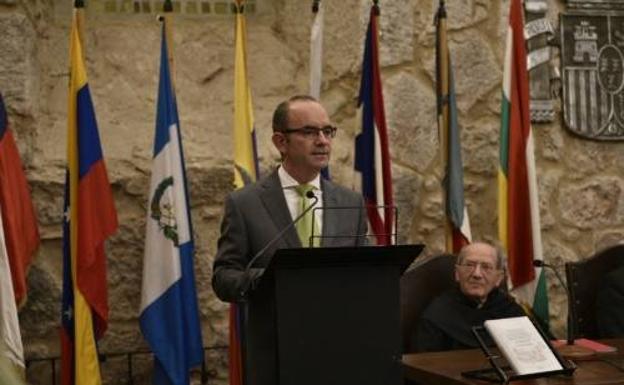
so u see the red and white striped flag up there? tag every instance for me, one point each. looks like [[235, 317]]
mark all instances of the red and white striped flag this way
[[372, 154]]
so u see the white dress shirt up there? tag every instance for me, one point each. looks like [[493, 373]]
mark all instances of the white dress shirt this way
[[293, 198]]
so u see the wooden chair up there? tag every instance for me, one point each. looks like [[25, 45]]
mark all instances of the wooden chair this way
[[419, 286], [584, 279]]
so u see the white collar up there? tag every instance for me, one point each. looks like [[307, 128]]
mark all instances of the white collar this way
[[288, 181]]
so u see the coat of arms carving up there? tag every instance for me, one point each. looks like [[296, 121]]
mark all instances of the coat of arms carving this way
[[592, 61]]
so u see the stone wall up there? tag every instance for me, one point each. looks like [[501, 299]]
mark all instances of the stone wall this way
[[581, 183]]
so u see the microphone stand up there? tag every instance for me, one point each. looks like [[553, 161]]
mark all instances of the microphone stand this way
[[250, 279], [571, 349]]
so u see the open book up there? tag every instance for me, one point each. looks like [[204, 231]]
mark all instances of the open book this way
[[522, 345]]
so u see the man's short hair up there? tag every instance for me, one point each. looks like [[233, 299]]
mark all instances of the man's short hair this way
[[501, 258], [280, 116]]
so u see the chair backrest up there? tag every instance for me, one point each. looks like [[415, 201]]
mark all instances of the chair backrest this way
[[419, 286], [584, 279]]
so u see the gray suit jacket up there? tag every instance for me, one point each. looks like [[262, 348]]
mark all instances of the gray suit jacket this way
[[255, 214]]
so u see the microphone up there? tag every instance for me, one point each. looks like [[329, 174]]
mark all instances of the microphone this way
[[279, 236], [571, 333], [540, 263]]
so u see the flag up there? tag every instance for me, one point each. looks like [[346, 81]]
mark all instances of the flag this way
[[372, 155], [10, 374], [10, 335], [518, 207], [245, 167], [457, 224], [90, 218], [169, 314], [316, 51], [245, 148], [21, 233]]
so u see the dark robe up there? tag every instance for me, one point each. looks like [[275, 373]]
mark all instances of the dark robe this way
[[446, 324], [610, 305]]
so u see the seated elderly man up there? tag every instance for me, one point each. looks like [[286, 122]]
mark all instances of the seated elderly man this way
[[447, 322]]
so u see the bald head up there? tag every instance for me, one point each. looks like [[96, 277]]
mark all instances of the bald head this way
[[479, 270], [483, 247]]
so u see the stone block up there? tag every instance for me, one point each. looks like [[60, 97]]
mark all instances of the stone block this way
[[40, 316], [468, 13], [480, 146], [411, 120], [592, 204], [477, 72], [550, 140], [342, 39], [608, 238], [547, 182], [396, 39], [406, 185], [19, 72], [589, 158]]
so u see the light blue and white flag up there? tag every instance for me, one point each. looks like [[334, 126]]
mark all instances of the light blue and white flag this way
[[169, 318]]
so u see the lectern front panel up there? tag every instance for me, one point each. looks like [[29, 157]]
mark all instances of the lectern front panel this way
[[324, 316], [338, 325]]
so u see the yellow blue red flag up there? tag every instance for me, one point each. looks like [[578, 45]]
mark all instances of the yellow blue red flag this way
[[90, 218]]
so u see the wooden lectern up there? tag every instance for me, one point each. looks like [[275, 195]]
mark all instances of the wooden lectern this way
[[326, 316]]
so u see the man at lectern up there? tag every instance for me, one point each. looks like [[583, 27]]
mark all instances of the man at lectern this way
[[447, 322], [289, 208]]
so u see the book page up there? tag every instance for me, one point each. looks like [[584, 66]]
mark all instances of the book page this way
[[522, 345]]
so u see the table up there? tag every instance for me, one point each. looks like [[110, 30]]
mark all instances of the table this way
[[445, 368]]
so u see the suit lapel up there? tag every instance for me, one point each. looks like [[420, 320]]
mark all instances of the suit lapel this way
[[273, 199], [330, 216]]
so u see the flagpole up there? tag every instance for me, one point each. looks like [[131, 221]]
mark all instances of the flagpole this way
[[167, 20], [79, 7], [443, 112]]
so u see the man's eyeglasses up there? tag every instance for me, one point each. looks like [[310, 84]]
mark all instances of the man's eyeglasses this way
[[470, 266], [313, 132]]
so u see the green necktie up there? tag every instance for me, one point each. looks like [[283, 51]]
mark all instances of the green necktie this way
[[304, 226]]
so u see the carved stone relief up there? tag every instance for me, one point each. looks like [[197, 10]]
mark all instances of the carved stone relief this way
[[592, 66]]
